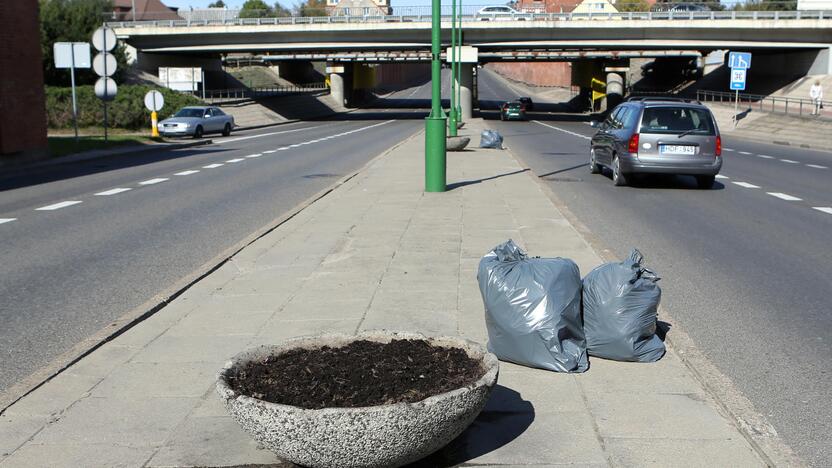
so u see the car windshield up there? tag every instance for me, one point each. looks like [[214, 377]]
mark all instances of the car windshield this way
[[677, 120], [190, 112]]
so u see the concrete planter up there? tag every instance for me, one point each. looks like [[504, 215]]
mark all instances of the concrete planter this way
[[457, 143], [374, 436]]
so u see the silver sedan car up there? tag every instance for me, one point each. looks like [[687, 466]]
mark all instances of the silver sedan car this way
[[197, 121]]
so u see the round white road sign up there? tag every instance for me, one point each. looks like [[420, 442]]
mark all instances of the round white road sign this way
[[111, 88], [154, 100], [100, 60], [104, 39]]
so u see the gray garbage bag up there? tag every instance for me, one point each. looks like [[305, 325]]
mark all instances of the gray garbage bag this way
[[491, 139], [533, 309], [620, 311]]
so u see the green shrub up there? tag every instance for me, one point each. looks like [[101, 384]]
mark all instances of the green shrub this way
[[125, 111]]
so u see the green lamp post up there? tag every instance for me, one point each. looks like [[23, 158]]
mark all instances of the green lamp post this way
[[458, 86], [453, 113], [435, 124]]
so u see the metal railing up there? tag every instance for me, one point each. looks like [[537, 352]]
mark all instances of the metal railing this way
[[773, 104], [236, 94], [471, 14]]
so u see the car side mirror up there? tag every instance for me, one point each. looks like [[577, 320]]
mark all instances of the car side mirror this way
[[206, 116], [594, 124]]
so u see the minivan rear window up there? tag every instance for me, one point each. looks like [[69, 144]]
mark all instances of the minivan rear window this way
[[677, 120]]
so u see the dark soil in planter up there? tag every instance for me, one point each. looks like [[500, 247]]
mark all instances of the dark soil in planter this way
[[363, 373]]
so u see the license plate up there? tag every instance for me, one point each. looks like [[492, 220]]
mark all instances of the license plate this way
[[677, 149]]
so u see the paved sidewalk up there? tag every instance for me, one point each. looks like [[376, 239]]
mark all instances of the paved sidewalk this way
[[375, 253]]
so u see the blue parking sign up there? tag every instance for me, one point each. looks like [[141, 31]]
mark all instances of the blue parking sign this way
[[738, 79], [739, 60]]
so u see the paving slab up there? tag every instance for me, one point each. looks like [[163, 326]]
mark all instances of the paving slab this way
[[376, 252]]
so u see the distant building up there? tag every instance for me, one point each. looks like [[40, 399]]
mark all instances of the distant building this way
[[358, 7], [146, 10], [22, 102], [595, 6], [546, 6], [210, 14]]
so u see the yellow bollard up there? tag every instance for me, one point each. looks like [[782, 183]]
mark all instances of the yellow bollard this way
[[154, 131]]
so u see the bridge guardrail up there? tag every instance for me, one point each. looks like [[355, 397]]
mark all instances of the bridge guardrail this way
[[234, 94], [773, 104], [422, 14]]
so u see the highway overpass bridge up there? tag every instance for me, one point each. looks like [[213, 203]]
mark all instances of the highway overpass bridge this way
[[797, 41]]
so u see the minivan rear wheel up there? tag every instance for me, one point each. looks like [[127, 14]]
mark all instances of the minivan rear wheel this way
[[618, 178], [594, 168], [705, 182]]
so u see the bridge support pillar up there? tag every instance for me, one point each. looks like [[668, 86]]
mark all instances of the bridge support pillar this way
[[466, 91], [615, 89], [336, 87]]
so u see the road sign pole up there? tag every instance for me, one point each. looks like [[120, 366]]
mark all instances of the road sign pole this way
[[106, 93], [74, 100], [435, 124], [459, 64], [736, 107], [452, 116]]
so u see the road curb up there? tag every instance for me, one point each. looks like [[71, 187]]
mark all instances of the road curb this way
[[738, 409], [134, 317]]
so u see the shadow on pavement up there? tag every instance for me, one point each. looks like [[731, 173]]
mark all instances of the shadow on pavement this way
[[504, 418], [456, 185]]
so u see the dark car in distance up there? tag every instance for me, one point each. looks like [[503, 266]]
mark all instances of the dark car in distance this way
[[526, 101], [513, 110]]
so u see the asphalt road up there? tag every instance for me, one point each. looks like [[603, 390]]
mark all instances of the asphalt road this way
[[746, 267], [85, 243]]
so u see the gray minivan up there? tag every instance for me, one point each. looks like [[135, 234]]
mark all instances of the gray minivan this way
[[658, 135]]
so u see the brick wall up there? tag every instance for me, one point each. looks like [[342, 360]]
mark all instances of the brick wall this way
[[535, 73], [22, 104]]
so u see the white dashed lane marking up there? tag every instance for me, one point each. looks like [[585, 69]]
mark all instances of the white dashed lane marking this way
[[58, 206], [817, 166], [7, 220], [187, 172], [112, 191], [789, 161], [213, 166], [728, 149], [765, 156], [235, 160], [720, 176], [155, 181], [562, 130], [784, 196], [744, 152], [746, 184], [825, 209]]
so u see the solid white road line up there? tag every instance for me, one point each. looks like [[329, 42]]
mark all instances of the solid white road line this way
[[720, 176], [187, 172], [261, 135], [58, 206], [7, 220], [283, 149], [784, 196], [235, 160], [153, 181], [744, 152], [765, 156], [256, 155], [265, 152], [825, 209], [817, 166], [746, 185], [213, 166], [789, 161], [112, 191], [562, 130]]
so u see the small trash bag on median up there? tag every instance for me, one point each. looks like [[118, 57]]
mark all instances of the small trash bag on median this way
[[620, 311], [491, 139], [533, 309]]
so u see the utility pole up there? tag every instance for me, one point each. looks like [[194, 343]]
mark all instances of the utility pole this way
[[435, 123]]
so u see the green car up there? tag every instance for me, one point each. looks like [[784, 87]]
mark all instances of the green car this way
[[513, 111]]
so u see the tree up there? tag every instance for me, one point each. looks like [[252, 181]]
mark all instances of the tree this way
[[632, 5], [280, 11], [313, 8], [73, 21], [767, 5], [217, 4], [255, 9]]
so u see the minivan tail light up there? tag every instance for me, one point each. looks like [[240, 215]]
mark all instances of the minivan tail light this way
[[718, 145], [633, 146]]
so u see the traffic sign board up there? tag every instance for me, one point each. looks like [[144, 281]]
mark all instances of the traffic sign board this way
[[104, 64], [154, 100], [738, 79], [104, 39], [739, 60], [106, 89]]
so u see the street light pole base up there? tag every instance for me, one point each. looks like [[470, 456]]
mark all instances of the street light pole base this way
[[435, 156]]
